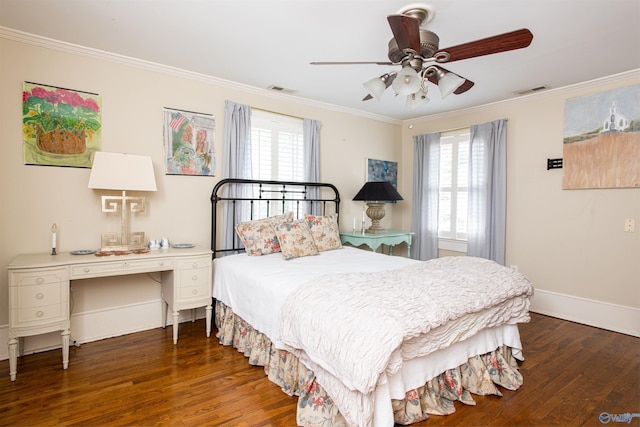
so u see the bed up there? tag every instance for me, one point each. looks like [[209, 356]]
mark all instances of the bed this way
[[361, 338]]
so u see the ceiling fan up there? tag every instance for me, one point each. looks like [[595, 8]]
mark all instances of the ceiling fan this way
[[418, 53]]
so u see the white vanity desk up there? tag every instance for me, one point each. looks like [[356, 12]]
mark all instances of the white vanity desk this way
[[39, 289]]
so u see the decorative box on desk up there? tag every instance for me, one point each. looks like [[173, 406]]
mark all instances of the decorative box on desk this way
[[389, 238], [39, 289]]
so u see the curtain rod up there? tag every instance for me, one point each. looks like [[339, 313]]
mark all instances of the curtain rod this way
[[276, 112], [457, 129]]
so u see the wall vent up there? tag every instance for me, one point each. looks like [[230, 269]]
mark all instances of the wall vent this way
[[532, 90], [280, 89]]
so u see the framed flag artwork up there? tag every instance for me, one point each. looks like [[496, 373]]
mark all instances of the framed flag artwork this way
[[189, 143]]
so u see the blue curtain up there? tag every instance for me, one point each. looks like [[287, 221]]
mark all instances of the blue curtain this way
[[236, 162], [311, 138], [488, 191], [426, 183]]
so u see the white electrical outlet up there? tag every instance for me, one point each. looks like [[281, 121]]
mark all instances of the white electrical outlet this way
[[629, 225]]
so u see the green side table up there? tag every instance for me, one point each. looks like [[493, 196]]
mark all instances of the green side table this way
[[389, 238]]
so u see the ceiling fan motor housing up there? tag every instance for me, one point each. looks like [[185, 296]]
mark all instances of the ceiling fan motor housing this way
[[429, 43]]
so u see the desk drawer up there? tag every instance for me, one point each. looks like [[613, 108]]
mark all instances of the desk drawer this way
[[193, 263], [120, 267], [38, 315], [194, 292], [194, 283], [40, 295], [38, 277]]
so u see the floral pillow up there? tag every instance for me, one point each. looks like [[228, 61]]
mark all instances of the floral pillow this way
[[258, 237], [295, 239], [325, 232]]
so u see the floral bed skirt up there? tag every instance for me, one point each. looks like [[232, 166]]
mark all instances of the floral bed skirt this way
[[479, 375]]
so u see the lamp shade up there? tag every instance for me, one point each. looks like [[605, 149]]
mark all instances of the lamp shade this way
[[449, 83], [375, 87], [378, 191], [117, 171], [406, 82], [417, 99]]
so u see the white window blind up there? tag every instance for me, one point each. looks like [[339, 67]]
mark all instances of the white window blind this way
[[277, 152], [454, 183]]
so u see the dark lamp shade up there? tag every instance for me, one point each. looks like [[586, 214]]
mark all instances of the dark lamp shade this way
[[379, 191]]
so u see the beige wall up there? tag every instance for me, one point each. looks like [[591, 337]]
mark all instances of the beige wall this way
[[569, 242], [133, 95]]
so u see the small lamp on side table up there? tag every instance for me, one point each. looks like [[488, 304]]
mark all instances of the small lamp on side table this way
[[125, 172], [376, 194]]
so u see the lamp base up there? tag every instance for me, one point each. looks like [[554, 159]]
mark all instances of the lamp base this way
[[375, 212], [111, 242]]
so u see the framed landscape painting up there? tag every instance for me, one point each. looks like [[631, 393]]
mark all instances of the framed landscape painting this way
[[60, 127], [601, 146], [188, 139]]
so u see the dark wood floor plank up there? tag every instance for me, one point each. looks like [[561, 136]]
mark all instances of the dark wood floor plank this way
[[572, 373]]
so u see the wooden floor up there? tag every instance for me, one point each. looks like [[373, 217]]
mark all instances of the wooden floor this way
[[572, 374]]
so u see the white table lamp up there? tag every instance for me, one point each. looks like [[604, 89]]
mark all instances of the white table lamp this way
[[122, 172]]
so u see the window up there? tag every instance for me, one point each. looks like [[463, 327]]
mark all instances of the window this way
[[277, 151], [454, 183], [277, 147]]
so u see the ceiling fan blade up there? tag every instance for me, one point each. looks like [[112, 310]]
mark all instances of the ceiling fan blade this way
[[406, 31], [501, 43], [388, 83], [468, 84], [352, 63]]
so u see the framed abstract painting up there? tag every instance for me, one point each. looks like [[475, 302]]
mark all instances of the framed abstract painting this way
[[382, 170]]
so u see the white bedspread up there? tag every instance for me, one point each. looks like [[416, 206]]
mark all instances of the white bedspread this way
[[393, 316], [255, 287]]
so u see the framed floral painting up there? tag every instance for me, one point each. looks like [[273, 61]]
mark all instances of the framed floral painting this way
[[60, 127], [189, 143]]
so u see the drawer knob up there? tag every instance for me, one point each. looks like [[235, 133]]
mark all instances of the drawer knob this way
[[86, 270], [39, 313], [39, 295], [194, 277], [39, 280], [194, 292], [195, 265], [161, 263]]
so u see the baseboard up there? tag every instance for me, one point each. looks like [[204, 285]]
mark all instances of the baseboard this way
[[613, 317], [101, 324]]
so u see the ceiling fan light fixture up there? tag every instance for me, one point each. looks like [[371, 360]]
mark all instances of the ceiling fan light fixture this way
[[417, 99], [406, 82], [448, 83], [376, 86]]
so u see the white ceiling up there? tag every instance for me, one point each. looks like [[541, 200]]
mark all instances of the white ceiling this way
[[271, 42]]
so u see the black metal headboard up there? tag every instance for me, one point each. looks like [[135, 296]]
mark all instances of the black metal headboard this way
[[259, 199]]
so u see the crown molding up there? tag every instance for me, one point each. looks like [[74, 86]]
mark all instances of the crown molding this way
[[74, 49], [526, 98]]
